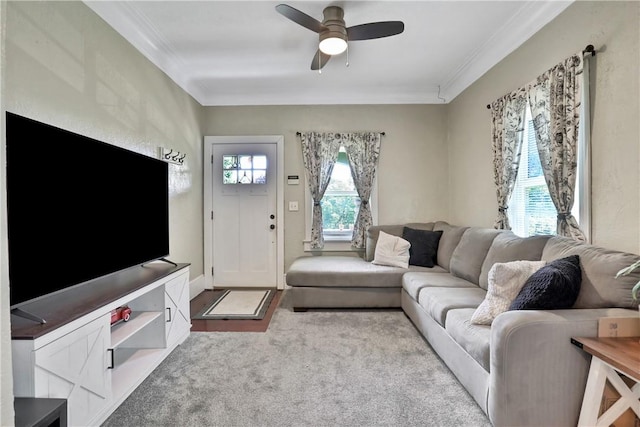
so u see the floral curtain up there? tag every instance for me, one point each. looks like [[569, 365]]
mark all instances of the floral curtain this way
[[507, 128], [319, 153], [363, 150], [554, 98]]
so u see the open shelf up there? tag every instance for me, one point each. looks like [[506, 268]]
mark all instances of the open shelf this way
[[130, 363], [124, 330]]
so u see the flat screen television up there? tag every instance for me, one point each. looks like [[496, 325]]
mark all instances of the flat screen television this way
[[78, 209]]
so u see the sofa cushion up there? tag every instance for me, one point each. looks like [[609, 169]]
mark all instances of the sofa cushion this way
[[451, 235], [600, 288], [424, 246], [506, 279], [438, 301], [412, 282], [474, 339], [392, 251], [344, 271], [395, 229], [467, 258], [509, 247], [553, 287]]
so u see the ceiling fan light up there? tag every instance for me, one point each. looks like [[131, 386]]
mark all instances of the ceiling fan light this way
[[333, 45]]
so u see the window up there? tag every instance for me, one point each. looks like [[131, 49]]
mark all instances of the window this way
[[340, 206], [531, 210], [340, 203], [244, 169]]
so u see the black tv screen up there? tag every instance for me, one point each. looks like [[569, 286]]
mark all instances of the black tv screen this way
[[78, 208]]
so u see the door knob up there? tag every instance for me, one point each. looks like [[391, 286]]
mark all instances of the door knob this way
[[272, 226]]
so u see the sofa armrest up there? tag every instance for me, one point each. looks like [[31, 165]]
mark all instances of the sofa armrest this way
[[537, 376]]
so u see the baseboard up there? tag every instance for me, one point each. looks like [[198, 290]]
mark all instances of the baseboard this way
[[196, 286]]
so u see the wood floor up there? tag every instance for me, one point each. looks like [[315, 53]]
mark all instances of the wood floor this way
[[207, 296]]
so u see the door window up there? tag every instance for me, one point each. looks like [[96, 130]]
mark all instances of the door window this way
[[244, 169]]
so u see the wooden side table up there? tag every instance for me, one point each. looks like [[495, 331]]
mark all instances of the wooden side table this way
[[610, 356]]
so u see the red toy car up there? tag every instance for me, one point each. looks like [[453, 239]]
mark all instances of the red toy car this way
[[121, 313]]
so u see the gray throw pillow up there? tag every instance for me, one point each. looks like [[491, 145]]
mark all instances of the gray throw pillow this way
[[424, 246], [555, 286]]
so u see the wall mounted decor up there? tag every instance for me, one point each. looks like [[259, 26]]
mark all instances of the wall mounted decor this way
[[171, 156]]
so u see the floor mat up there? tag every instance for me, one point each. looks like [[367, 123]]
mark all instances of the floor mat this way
[[238, 305]]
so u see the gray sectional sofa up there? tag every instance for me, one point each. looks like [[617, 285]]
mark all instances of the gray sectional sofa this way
[[521, 369]]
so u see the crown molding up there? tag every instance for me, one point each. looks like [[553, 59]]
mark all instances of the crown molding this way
[[327, 98], [532, 16], [132, 24]]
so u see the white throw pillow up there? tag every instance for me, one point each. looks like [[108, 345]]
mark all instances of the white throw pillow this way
[[505, 281], [392, 251]]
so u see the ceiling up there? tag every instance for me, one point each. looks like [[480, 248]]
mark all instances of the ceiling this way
[[246, 53]]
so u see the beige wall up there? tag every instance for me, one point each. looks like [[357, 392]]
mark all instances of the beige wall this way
[[64, 66], [613, 28], [410, 184]]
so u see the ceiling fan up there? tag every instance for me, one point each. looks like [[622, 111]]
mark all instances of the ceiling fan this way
[[333, 32]]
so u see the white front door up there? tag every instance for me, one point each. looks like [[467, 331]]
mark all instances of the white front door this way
[[244, 215]]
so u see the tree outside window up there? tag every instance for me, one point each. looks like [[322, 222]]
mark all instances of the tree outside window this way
[[340, 203]]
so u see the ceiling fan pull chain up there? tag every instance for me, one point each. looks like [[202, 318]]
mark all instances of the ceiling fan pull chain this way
[[319, 64], [347, 54]]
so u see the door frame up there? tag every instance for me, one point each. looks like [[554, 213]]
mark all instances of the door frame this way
[[209, 142]]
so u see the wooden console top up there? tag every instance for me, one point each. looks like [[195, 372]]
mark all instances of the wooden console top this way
[[71, 304]]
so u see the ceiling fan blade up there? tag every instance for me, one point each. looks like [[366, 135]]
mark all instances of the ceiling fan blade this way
[[319, 60], [375, 30], [300, 18]]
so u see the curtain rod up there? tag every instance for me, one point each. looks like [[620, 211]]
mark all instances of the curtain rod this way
[[381, 133], [589, 49]]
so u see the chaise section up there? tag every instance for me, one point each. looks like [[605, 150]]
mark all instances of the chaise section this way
[[344, 281], [343, 271], [304, 298], [351, 281]]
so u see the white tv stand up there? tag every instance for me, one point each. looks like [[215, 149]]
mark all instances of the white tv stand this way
[[77, 355]]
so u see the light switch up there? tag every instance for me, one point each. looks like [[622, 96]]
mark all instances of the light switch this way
[[293, 206]]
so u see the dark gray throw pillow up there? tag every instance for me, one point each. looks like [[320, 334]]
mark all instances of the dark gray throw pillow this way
[[555, 286], [424, 246]]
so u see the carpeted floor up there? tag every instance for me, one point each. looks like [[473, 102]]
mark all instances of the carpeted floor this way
[[319, 368]]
